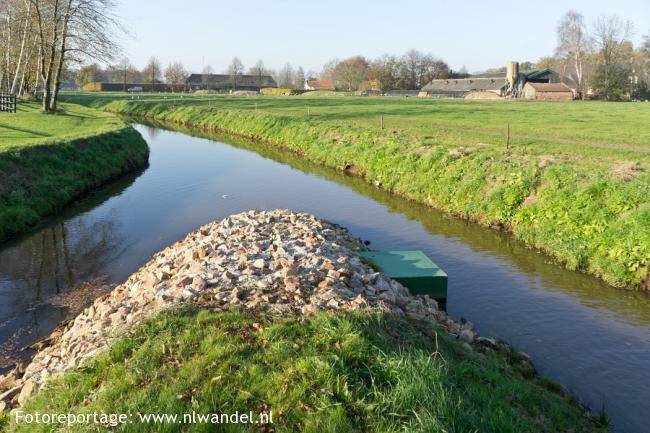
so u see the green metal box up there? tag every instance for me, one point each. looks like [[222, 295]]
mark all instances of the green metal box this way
[[413, 269]]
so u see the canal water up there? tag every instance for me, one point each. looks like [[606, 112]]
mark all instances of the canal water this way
[[593, 339]]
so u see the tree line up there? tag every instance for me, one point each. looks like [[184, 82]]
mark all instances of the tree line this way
[[412, 70], [601, 59], [125, 73], [41, 39], [44, 42]]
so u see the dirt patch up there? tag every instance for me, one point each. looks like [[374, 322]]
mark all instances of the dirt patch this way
[[545, 161], [532, 199], [628, 170], [459, 152], [352, 170], [492, 185]]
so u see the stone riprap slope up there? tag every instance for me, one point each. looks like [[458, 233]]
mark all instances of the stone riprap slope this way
[[279, 261]]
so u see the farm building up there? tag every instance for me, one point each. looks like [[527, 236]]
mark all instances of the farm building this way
[[490, 85], [493, 87], [548, 92], [319, 85], [224, 82], [405, 93]]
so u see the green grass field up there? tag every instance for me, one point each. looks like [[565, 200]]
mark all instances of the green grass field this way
[[47, 160], [574, 180], [30, 127], [576, 124], [328, 373]]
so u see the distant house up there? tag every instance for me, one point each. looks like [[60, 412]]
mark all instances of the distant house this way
[[548, 92], [490, 85], [319, 85], [225, 82]]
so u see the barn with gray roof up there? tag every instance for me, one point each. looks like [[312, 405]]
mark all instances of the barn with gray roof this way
[[226, 82], [490, 85]]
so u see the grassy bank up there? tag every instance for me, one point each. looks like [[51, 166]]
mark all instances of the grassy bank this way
[[326, 373], [48, 160], [573, 182]]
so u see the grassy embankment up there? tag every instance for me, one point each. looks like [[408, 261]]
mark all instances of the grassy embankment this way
[[574, 181], [327, 373], [48, 160]]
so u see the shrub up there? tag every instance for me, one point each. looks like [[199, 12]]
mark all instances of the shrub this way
[[270, 91]]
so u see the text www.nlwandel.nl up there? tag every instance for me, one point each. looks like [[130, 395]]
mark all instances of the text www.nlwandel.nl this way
[[117, 419]]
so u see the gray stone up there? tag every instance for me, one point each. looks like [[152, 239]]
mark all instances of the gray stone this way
[[467, 335]]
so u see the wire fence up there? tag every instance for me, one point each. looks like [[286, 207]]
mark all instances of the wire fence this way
[[7, 102]]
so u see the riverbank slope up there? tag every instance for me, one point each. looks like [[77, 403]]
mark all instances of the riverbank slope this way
[[48, 160], [574, 180], [281, 315]]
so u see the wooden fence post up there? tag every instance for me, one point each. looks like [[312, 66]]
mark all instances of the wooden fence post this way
[[382, 121]]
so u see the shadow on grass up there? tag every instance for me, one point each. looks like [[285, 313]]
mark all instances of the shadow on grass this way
[[23, 130]]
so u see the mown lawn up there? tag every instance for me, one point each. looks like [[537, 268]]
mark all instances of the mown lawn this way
[[588, 122], [48, 160], [573, 182], [328, 373], [30, 126]]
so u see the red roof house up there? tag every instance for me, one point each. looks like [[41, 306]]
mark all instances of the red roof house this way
[[319, 85]]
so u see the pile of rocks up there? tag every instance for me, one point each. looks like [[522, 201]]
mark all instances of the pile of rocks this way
[[280, 261]]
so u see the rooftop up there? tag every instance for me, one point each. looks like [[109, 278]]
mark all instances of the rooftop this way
[[320, 83], [242, 80]]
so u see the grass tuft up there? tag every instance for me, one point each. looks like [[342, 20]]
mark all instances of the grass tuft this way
[[327, 373]]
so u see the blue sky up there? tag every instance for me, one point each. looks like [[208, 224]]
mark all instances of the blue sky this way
[[472, 33]]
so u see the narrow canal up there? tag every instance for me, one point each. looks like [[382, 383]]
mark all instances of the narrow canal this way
[[591, 338]]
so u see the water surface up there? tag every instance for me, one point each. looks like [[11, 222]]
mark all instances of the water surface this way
[[593, 339]]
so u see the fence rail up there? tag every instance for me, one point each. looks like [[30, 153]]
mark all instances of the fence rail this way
[[8, 102]]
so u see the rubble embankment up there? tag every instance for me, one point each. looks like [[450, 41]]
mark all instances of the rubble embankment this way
[[278, 261]]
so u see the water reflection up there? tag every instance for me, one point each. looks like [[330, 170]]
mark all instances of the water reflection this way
[[38, 270], [592, 338], [626, 306]]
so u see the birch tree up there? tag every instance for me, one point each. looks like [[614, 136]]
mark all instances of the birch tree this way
[[574, 45]]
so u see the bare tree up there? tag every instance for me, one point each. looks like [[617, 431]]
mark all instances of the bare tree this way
[[285, 76], [207, 77], [574, 45], [299, 78], [258, 70], [645, 51], [88, 74], [27, 23], [123, 72], [352, 72], [611, 35], [89, 29], [152, 72], [383, 72], [235, 70], [49, 22], [327, 73], [175, 73], [66, 31]]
